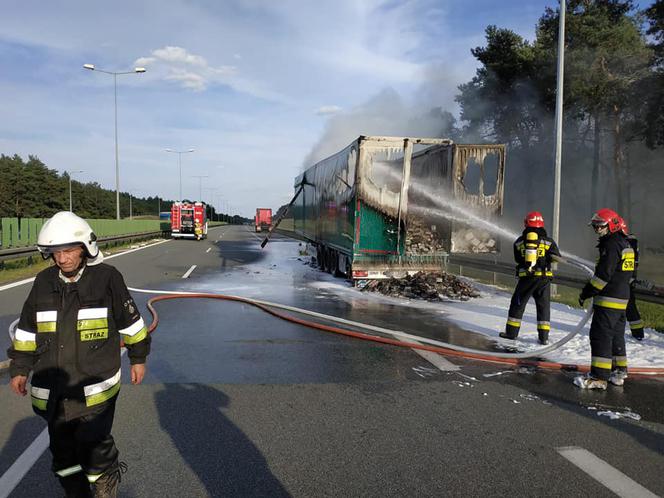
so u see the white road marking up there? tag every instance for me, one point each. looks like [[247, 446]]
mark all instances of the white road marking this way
[[604, 473], [208, 250], [28, 280], [440, 362], [22, 465], [186, 275]]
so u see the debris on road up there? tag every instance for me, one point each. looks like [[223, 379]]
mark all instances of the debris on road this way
[[436, 286]]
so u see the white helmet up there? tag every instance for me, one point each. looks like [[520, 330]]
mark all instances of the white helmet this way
[[65, 229]]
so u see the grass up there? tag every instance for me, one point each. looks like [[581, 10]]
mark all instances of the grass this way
[[652, 314]]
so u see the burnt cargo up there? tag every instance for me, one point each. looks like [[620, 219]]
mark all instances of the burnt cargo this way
[[388, 206]]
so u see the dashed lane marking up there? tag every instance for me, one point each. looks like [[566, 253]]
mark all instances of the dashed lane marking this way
[[188, 272], [440, 362], [604, 473]]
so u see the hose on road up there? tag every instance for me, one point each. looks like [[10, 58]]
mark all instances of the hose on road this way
[[403, 339]]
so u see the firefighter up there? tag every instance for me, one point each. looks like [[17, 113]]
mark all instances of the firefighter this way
[[198, 230], [68, 336], [534, 252], [632, 312], [610, 289]]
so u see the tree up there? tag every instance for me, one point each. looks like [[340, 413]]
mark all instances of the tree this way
[[605, 59]]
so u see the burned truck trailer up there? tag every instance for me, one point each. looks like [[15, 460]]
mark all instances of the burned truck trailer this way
[[388, 206]]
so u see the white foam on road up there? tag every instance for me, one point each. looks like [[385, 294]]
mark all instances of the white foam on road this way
[[604, 473]]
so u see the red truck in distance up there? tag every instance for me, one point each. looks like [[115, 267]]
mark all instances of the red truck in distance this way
[[263, 219]]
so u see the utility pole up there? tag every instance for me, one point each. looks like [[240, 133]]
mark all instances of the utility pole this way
[[555, 224]]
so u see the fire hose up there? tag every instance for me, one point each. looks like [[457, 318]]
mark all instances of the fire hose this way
[[401, 339]]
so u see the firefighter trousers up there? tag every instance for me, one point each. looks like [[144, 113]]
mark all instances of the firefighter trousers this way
[[82, 446], [607, 342], [634, 317], [527, 287]]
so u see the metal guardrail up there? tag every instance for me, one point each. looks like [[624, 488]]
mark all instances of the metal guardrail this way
[[564, 278], [22, 252]]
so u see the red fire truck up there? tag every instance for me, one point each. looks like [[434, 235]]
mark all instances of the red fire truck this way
[[263, 219], [189, 220]]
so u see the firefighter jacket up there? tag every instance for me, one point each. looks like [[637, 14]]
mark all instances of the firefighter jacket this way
[[69, 336], [610, 284], [534, 252]]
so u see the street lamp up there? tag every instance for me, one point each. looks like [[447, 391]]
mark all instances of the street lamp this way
[[555, 222], [92, 67], [200, 185], [179, 153], [130, 208], [71, 173]]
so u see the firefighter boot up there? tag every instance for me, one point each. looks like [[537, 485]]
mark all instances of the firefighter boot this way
[[543, 337], [589, 382], [618, 377], [107, 485], [76, 486]]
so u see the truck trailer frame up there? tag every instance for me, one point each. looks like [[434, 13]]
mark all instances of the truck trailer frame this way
[[373, 209]]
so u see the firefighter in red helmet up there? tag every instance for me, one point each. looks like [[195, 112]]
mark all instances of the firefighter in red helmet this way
[[609, 288], [632, 312], [534, 251]]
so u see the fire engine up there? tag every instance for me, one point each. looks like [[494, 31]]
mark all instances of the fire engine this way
[[189, 220]]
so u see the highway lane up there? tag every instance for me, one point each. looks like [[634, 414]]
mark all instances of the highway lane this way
[[238, 403]]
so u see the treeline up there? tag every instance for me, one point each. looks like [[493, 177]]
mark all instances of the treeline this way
[[613, 140], [29, 189]]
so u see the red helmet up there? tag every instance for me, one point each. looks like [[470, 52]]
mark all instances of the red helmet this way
[[623, 226], [607, 220], [534, 219]]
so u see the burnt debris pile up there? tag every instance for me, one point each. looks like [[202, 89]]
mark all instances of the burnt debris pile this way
[[436, 286]]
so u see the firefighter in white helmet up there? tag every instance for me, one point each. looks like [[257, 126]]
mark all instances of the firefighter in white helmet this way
[[69, 336]]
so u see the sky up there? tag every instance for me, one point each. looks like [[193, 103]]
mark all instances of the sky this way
[[250, 85]]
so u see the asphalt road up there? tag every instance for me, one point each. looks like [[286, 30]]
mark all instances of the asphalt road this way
[[239, 403]]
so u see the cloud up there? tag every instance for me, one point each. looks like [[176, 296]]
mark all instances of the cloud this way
[[191, 71], [327, 110]]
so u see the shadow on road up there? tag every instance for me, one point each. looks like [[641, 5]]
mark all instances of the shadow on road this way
[[224, 459]]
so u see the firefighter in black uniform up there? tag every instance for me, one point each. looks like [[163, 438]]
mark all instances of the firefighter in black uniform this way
[[632, 312], [609, 288], [534, 252], [69, 334]]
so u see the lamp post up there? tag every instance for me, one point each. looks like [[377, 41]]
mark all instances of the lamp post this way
[[71, 173], [131, 216], [92, 67], [179, 153], [213, 194], [555, 222], [200, 185]]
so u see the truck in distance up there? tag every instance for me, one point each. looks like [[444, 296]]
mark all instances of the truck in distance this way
[[263, 219]]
